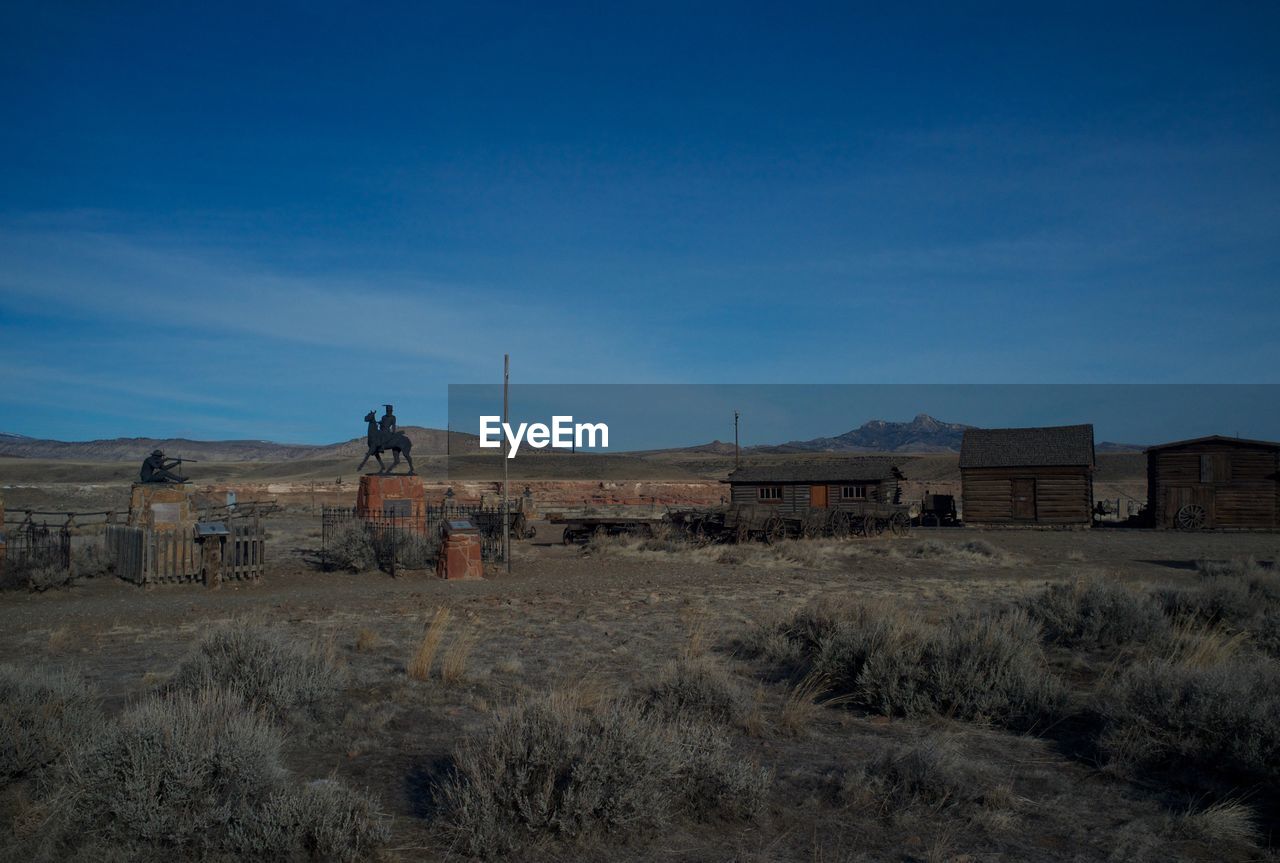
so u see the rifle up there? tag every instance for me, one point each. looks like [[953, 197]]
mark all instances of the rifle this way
[[181, 460]]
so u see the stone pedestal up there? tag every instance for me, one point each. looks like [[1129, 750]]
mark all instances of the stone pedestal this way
[[383, 496], [460, 558], [161, 506]]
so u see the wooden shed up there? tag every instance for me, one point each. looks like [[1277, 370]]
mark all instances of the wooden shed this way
[[1028, 476], [1214, 482], [833, 483]]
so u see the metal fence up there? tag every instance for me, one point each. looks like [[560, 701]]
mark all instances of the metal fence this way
[[39, 544], [407, 541]]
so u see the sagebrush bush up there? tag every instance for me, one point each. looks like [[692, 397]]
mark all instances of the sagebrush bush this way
[[1095, 612], [695, 689], [986, 666], [261, 666], [323, 820], [1220, 717], [199, 776], [43, 714], [1241, 595], [930, 772], [409, 548], [350, 547], [549, 769]]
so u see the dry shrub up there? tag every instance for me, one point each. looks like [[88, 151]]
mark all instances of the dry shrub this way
[[351, 548], [987, 667], [982, 666], [90, 559], [1221, 717], [1224, 821], [1094, 612], [261, 666], [1239, 594], [548, 769], [933, 773], [43, 714], [695, 689], [419, 666], [409, 548], [969, 551], [367, 640], [453, 668], [199, 776]]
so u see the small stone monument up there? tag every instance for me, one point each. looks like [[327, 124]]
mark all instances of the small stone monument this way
[[160, 499], [460, 553]]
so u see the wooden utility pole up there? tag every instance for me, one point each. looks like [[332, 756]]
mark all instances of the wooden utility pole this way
[[506, 512], [737, 461]]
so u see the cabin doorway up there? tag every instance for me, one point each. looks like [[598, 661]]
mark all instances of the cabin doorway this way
[[818, 495], [1024, 499]]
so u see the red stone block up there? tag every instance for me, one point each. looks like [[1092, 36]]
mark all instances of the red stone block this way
[[398, 496], [460, 558]]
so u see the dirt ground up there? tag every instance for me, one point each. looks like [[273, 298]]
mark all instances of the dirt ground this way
[[567, 618]]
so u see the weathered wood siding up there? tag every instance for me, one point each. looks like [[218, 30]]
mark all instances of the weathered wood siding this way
[[1063, 495], [1237, 484], [795, 496]]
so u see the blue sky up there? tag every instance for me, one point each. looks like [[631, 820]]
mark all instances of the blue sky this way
[[238, 221]]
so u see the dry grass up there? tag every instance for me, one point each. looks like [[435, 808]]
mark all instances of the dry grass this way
[[419, 665], [801, 708], [1226, 821], [367, 640], [453, 668]]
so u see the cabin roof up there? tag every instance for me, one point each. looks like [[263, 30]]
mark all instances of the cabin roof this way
[[1052, 446], [862, 469], [1214, 438]]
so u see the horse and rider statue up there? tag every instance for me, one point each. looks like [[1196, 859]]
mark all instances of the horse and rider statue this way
[[383, 437]]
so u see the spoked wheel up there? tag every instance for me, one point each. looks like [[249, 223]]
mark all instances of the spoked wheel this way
[[568, 537], [840, 526], [867, 527], [1191, 517], [900, 524], [742, 534], [813, 525], [699, 534], [775, 530]]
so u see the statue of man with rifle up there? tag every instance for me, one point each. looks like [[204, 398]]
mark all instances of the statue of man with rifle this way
[[157, 468]]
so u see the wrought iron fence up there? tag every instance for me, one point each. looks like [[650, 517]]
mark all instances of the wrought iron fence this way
[[409, 541]]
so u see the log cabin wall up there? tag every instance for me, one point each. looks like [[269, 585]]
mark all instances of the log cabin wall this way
[[1058, 495], [1236, 482], [795, 496]]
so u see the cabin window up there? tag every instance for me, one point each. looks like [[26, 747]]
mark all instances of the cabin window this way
[[769, 492], [853, 492]]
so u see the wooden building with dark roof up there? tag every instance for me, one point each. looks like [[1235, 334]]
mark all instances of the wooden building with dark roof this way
[[831, 483], [1214, 482], [1028, 476]]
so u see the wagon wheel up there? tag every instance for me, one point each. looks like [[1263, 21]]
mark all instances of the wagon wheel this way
[[567, 537], [775, 530], [900, 524], [813, 525], [742, 534], [699, 534], [840, 526], [1191, 517], [867, 526]]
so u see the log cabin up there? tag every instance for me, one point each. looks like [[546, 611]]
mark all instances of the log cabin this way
[[1028, 476], [831, 483], [1214, 482]]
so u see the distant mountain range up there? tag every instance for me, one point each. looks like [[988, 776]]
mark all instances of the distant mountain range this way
[[924, 434]]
